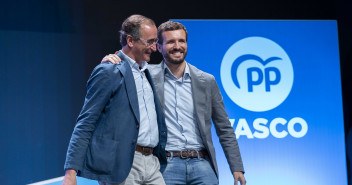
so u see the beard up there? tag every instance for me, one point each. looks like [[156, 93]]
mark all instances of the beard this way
[[168, 57]]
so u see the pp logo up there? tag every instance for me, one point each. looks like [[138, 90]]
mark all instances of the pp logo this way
[[256, 74]]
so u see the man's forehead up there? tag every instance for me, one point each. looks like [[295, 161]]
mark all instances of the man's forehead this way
[[147, 26], [148, 29], [174, 33]]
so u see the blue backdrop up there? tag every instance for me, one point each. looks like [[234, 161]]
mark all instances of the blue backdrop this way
[[281, 85]]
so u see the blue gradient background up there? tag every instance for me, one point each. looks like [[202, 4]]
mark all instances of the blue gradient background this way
[[318, 158]]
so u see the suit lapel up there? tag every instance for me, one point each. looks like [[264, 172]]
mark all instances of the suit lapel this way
[[147, 74], [130, 85], [156, 99], [198, 94], [158, 79]]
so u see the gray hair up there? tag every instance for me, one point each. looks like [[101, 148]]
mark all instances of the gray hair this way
[[131, 26]]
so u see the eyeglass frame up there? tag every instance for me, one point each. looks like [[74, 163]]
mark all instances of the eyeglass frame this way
[[148, 41]]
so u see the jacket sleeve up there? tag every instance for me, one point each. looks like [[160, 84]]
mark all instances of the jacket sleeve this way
[[99, 91], [224, 130]]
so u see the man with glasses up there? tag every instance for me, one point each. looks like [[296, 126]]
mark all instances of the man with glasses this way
[[149, 42], [120, 132], [190, 99]]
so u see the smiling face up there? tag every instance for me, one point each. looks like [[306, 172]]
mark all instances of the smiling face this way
[[174, 46], [141, 50]]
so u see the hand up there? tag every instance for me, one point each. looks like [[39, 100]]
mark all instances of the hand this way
[[70, 177], [111, 58], [239, 177]]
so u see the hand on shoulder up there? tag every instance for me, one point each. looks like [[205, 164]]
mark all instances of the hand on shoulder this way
[[111, 58]]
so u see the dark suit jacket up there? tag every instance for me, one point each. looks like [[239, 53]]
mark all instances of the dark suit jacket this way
[[209, 106], [103, 142]]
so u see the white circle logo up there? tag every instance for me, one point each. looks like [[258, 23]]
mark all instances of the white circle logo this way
[[256, 74]]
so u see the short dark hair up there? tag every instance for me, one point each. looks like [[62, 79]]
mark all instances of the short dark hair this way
[[131, 26], [170, 26]]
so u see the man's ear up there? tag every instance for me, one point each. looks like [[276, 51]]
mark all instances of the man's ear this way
[[129, 40], [158, 46]]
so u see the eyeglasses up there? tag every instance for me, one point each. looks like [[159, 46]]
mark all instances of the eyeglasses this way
[[150, 41]]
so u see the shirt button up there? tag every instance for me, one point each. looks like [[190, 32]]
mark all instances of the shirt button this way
[[137, 126], [133, 141]]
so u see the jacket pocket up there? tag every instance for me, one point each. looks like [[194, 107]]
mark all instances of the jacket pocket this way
[[101, 155]]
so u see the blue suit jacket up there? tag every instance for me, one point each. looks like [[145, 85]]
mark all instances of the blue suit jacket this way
[[103, 142]]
